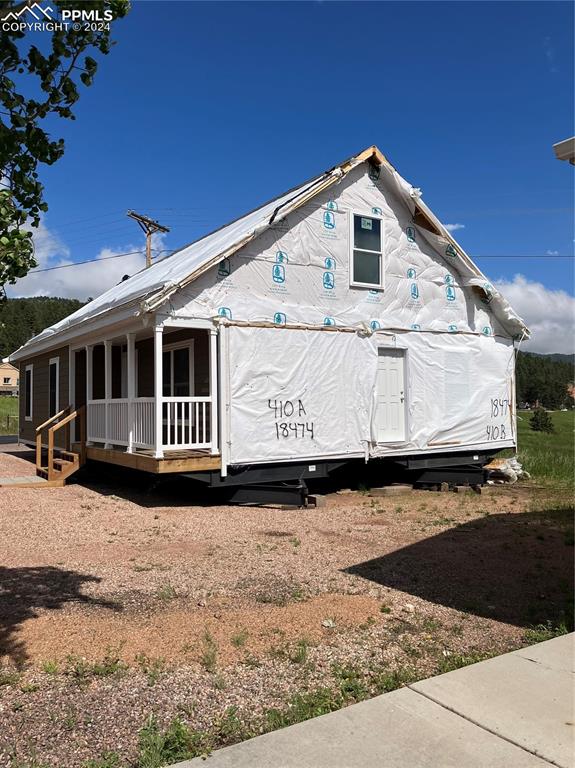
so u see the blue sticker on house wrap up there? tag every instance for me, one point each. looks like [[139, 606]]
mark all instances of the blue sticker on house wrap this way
[[486, 331], [328, 281], [412, 273], [452, 328], [331, 205], [415, 327], [410, 232], [329, 263], [281, 257], [450, 293], [377, 211], [328, 321], [224, 268], [375, 325], [448, 279], [279, 318], [374, 172], [225, 312], [328, 220], [450, 251], [278, 273], [414, 291], [487, 296]]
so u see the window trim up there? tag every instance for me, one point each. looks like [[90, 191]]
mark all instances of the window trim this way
[[186, 344], [353, 283], [51, 362], [28, 416]]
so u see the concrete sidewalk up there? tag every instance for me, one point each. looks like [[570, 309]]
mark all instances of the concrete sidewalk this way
[[513, 711]]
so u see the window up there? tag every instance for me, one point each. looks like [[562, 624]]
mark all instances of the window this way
[[7, 379], [28, 391], [178, 371], [53, 386], [367, 251]]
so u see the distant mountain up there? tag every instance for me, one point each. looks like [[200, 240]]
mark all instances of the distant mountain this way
[[544, 378], [20, 319]]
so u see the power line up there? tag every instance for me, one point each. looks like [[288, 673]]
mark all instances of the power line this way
[[88, 261]]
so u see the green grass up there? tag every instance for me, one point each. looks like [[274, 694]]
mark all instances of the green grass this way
[[549, 458], [8, 415]]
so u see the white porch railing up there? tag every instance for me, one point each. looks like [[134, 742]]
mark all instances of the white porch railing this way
[[185, 422]]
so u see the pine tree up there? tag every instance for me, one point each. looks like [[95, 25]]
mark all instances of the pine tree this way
[[541, 421]]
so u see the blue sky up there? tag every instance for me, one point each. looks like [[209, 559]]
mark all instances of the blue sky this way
[[204, 110]]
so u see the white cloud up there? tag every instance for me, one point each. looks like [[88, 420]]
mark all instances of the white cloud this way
[[454, 227], [552, 253], [76, 282], [550, 315]]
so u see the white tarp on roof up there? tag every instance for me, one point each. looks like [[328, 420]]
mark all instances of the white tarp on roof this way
[[150, 287]]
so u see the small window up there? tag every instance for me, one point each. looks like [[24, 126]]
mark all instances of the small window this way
[[367, 252], [7, 379], [28, 391], [53, 386]]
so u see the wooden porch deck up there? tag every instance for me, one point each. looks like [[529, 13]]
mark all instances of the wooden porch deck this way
[[173, 461]]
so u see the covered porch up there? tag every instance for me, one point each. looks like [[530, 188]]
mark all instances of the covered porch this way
[[150, 394]]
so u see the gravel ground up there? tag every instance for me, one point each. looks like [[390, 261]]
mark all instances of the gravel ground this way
[[188, 610]]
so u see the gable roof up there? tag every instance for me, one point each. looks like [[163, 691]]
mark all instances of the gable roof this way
[[151, 287]]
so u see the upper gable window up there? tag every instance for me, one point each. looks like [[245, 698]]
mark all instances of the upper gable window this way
[[366, 260]]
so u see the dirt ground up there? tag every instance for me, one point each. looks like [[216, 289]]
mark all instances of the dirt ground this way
[[118, 601]]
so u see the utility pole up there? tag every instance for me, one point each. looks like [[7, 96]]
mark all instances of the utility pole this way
[[149, 226]]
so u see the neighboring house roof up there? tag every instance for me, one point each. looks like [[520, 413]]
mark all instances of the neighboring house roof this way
[[565, 150], [148, 289]]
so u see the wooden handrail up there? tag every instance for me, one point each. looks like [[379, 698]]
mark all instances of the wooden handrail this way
[[52, 418], [78, 413]]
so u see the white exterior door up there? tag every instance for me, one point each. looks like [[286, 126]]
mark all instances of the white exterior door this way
[[390, 396]]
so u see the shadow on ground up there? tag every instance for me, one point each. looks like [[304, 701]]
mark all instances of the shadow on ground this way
[[514, 568], [25, 592]]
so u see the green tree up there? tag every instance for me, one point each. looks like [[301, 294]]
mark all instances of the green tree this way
[[541, 421], [36, 86]]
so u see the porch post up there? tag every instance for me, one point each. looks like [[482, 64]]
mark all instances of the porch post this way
[[108, 387], [158, 390], [89, 388], [214, 391], [72, 388], [131, 363]]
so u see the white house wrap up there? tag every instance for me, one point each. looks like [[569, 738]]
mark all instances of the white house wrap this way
[[355, 325]]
